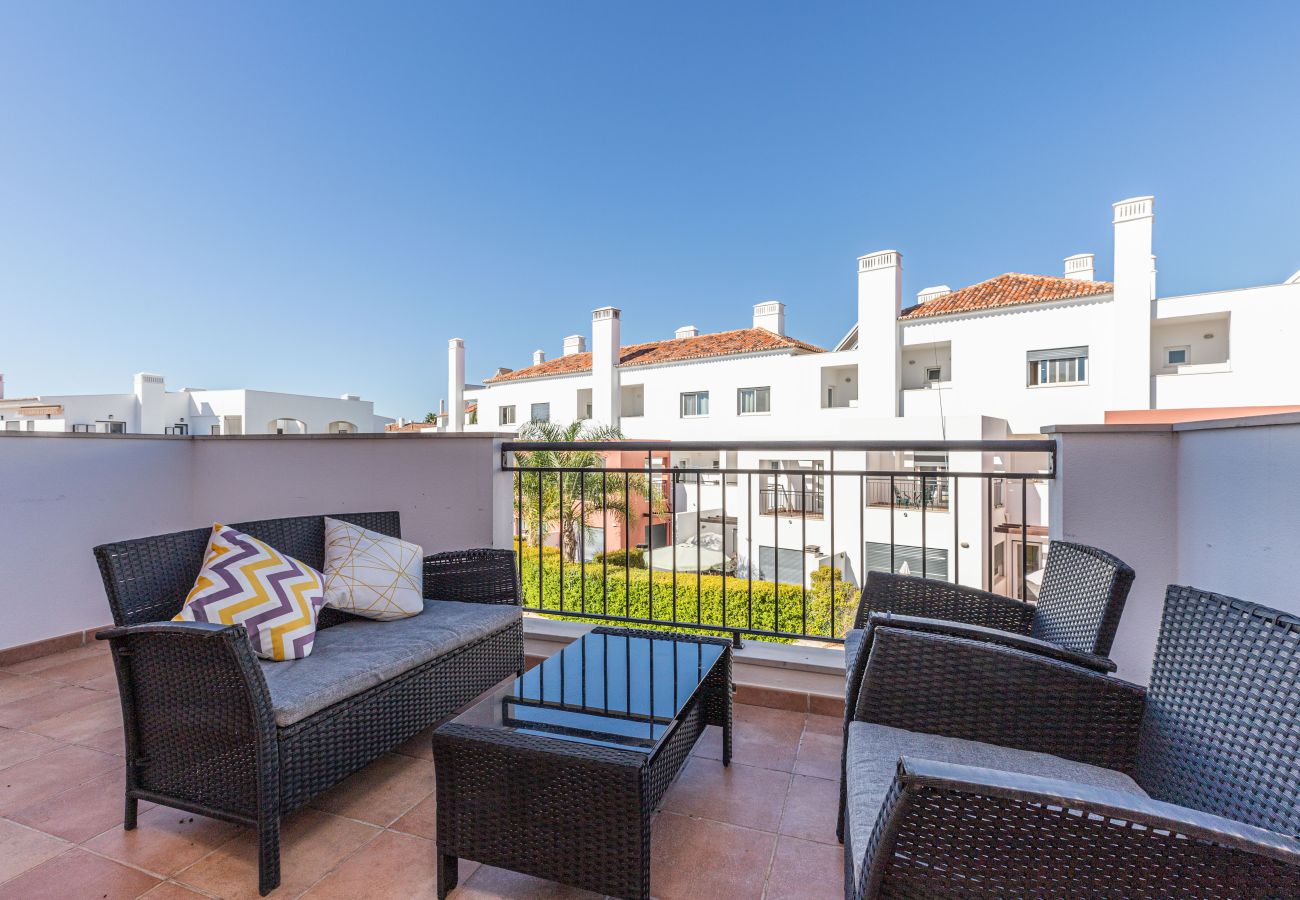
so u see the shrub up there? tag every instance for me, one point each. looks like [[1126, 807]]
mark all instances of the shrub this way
[[634, 558]]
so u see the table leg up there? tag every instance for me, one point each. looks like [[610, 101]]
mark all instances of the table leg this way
[[448, 869]]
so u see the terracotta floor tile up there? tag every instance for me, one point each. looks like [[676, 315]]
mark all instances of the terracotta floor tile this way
[[22, 849], [106, 683], [421, 820], [82, 812], [78, 671], [110, 741], [164, 841], [741, 795], [768, 738], [311, 844], [395, 866], [81, 723], [819, 755], [490, 883], [37, 779], [20, 746], [170, 890], [802, 870], [420, 746], [53, 660], [77, 874], [382, 791], [825, 724], [46, 705], [696, 858], [17, 687], [811, 809]]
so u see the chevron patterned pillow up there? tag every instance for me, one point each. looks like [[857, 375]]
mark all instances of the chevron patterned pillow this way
[[247, 582], [371, 574]]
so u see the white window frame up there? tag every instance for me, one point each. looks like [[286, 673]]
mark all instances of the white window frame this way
[[757, 392], [532, 412], [1057, 371], [1187, 356], [936, 377], [695, 396], [506, 415]]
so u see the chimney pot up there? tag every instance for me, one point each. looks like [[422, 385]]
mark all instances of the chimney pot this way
[[1081, 267], [501, 370], [575, 343], [539, 357], [770, 314], [933, 293], [687, 331]]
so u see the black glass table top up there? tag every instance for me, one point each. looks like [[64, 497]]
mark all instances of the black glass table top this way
[[606, 689]]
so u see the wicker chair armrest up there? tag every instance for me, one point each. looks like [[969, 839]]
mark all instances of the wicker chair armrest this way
[[473, 576], [993, 636], [997, 694], [911, 596], [1099, 841]]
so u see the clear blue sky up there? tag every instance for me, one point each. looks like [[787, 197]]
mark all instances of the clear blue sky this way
[[314, 197]]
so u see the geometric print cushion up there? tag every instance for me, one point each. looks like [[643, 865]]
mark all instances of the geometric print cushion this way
[[246, 582], [371, 574]]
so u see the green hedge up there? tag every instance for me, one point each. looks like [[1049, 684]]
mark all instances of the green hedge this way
[[626, 592], [635, 558]]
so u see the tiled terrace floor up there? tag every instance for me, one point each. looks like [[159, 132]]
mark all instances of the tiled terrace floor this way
[[765, 828]]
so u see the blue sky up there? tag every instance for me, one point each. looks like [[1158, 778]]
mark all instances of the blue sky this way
[[314, 197]]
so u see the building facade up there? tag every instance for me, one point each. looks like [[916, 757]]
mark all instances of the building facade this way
[[152, 409]]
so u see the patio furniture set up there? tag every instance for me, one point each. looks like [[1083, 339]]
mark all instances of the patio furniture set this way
[[988, 748]]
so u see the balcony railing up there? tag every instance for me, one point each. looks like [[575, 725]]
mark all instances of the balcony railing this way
[[739, 566]]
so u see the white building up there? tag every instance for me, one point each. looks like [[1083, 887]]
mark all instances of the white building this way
[[152, 409], [998, 359]]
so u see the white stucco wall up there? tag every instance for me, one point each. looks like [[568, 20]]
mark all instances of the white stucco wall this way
[[62, 494]]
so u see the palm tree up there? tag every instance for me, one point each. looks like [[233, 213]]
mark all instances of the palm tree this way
[[582, 484]]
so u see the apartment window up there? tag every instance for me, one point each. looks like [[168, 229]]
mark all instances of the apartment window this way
[[112, 427], [780, 564], [1064, 365], [540, 412], [506, 415], [933, 374], [754, 401], [1177, 356], [695, 403], [176, 429], [908, 560]]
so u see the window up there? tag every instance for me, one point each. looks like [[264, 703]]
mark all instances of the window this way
[[592, 542], [933, 374], [506, 415], [540, 412], [214, 429], [695, 403], [1064, 365], [341, 427], [176, 429], [780, 564], [908, 560], [754, 401], [1177, 356], [999, 559], [112, 427], [13, 426]]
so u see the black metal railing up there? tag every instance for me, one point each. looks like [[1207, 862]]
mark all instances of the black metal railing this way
[[729, 560]]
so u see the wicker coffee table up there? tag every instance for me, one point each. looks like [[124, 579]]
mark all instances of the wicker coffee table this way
[[557, 773]]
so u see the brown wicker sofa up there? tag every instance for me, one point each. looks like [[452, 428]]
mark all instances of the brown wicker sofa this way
[[212, 729], [980, 769]]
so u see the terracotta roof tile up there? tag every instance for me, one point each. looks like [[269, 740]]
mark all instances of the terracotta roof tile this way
[[724, 343], [1011, 289]]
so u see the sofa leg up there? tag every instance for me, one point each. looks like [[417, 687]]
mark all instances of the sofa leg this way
[[268, 856], [128, 817], [448, 874]]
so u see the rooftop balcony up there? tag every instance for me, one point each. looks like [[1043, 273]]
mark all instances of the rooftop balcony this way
[[1174, 501]]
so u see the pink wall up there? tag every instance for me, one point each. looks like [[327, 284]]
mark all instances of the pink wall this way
[[61, 494]]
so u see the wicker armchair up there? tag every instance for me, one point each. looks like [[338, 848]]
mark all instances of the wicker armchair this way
[[1190, 788], [200, 726]]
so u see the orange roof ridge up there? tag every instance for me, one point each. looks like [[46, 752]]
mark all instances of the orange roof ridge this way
[[704, 346], [1008, 289]]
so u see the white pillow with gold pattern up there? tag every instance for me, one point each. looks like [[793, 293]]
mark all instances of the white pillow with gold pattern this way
[[371, 574]]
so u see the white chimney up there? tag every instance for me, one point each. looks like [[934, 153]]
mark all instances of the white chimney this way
[[1081, 267], [1134, 291], [931, 293], [770, 314], [575, 343], [606, 354], [149, 390], [349, 396], [501, 370], [539, 357], [456, 384], [686, 331], [880, 300]]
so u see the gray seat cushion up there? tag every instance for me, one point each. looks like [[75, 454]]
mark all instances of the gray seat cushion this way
[[355, 656], [873, 754]]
